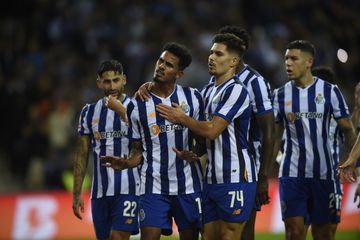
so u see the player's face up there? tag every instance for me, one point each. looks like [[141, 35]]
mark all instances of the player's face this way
[[167, 68], [297, 63], [112, 83], [220, 59]]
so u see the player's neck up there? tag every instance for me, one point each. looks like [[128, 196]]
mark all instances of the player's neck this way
[[304, 81], [219, 79], [163, 89]]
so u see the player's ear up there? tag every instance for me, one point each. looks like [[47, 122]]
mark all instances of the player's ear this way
[[98, 83], [309, 61], [179, 74], [124, 79]]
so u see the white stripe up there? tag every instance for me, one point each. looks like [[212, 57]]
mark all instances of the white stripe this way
[[109, 126], [309, 154], [96, 115]]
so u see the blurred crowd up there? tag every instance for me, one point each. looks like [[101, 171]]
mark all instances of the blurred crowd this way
[[50, 51]]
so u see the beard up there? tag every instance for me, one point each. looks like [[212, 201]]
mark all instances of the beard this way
[[155, 79]]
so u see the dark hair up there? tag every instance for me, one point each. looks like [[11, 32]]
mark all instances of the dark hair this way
[[239, 32], [181, 52], [110, 65], [303, 46], [232, 42], [325, 73]]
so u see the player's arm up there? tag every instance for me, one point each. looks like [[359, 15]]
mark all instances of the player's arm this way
[[208, 129], [346, 167], [347, 128], [357, 191], [194, 153], [266, 123], [80, 165], [356, 111], [120, 163], [278, 133]]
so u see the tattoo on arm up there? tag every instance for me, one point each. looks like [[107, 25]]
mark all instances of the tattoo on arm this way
[[80, 163]]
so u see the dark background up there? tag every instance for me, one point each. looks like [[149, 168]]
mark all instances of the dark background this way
[[50, 51]]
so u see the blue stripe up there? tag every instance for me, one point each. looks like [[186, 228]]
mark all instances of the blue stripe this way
[[117, 152], [300, 133], [313, 132], [179, 145], [149, 147], [164, 152], [188, 95], [130, 173], [201, 106], [83, 113], [213, 174], [89, 118], [102, 125], [129, 109], [336, 145], [239, 146], [258, 96], [238, 104], [343, 110], [325, 128], [226, 155]]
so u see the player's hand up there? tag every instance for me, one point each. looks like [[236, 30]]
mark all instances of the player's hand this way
[[117, 163], [357, 195], [346, 171], [114, 104], [144, 91], [187, 155], [78, 204], [262, 191], [172, 114]]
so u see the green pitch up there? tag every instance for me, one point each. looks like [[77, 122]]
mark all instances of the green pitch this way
[[267, 236]]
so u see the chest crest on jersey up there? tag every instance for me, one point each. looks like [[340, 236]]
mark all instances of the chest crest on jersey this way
[[185, 107], [319, 99], [216, 99]]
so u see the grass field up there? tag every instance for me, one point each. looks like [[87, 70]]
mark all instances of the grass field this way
[[266, 236]]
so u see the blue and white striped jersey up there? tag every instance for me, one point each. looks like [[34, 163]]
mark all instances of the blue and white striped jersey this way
[[336, 139], [108, 135], [259, 93], [162, 172], [306, 115], [229, 160]]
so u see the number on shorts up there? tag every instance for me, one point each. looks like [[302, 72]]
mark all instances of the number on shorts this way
[[129, 210], [238, 196], [335, 201], [199, 204]]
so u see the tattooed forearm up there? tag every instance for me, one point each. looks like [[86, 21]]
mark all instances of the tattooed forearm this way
[[80, 163]]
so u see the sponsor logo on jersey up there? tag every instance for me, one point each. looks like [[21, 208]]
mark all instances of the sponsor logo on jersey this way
[[236, 212], [110, 134], [157, 129], [300, 115]]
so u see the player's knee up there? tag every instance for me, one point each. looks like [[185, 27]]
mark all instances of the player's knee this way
[[119, 235], [324, 234], [294, 232]]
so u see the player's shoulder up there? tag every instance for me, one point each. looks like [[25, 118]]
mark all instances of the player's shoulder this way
[[88, 106], [190, 90]]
